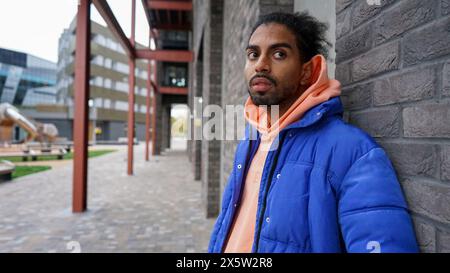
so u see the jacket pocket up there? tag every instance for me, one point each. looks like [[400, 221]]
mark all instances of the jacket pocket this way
[[293, 180], [286, 221]]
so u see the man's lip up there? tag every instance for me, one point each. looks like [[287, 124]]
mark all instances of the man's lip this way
[[260, 81], [261, 87]]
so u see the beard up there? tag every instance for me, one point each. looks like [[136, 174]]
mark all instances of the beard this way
[[274, 97]]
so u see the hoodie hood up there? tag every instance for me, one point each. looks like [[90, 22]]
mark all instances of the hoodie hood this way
[[321, 90]]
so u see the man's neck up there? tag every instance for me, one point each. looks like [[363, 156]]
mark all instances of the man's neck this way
[[283, 107]]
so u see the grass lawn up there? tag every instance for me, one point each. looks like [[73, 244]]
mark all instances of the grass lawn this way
[[54, 157], [26, 170]]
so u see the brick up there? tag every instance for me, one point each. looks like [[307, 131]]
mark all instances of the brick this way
[[378, 123], [427, 43], [445, 7], [445, 163], [413, 159], [443, 241], [446, 80], [379, 60], [428, 199], [426, 236], [407, 15], [357, 97], [357, 42], [266, 9], [343, 73], [342, 4], [343, 21], [429, 120], [411, 86], [362, 11]]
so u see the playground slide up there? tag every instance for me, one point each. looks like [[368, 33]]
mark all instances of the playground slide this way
[[9, 112]]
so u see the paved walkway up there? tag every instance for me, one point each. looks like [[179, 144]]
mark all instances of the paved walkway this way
[[156, 210]]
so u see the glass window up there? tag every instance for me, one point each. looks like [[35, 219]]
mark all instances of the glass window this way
[[107, 83], [108, 63], [107, 103], [121, 106]]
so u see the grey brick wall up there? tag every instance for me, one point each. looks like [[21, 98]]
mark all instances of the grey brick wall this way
[[207, 82], [393, 61]]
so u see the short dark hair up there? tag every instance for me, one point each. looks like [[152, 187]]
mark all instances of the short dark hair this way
[[309, 32]]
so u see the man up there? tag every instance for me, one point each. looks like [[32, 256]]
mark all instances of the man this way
[[308, 182]]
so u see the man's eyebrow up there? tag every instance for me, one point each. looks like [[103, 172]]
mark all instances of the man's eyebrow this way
[[255, 47], [280, 45]]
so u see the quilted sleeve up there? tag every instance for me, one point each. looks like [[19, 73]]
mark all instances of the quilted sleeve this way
[[373, 214]]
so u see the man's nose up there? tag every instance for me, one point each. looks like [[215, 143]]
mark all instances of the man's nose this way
[[262, 65]]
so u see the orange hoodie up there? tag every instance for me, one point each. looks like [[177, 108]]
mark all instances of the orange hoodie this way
[[241, 235]]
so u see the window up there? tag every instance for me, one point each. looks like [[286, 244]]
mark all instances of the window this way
[[98, 102], [107, 103], [98, 60], [175, 75], [107, 83], [121, 67], [121, 106], [108, 63], [122, 86], [99, 39]]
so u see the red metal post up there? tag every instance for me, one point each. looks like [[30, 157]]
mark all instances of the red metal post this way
[[147, 113], [155, 91], [81, 108], [131, 99]]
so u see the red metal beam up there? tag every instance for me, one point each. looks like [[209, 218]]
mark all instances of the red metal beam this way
[[131, 98], [173, 90], [114, 26], [147, 15], [180, 56], [170, 5], [81, 116]]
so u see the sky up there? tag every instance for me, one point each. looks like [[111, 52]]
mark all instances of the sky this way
[[34, 26]]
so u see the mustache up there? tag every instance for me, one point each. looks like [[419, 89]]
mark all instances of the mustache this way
[[262, 75]]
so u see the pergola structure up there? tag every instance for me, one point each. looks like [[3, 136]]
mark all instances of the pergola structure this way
[[161, 15]]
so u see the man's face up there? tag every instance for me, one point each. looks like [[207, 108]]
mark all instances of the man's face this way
[[273, 68]]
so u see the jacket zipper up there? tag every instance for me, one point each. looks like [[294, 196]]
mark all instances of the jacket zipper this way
[[266, 192], [230, 224]]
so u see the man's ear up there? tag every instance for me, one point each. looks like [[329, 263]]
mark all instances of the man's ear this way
[[307, 69]]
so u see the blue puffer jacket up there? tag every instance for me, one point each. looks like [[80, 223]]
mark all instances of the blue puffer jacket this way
[[329, 187]]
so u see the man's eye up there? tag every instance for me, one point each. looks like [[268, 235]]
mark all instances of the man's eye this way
[[252, 55], [279, 55]]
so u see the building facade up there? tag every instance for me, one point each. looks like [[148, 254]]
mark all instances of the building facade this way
[[108, 83], [26, 80]]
